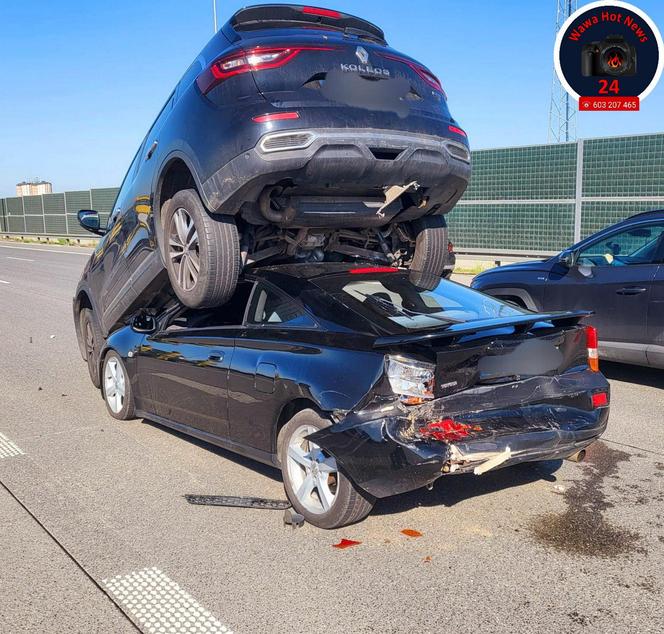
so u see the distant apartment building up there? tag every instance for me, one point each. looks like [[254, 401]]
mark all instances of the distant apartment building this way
[[34, 188]]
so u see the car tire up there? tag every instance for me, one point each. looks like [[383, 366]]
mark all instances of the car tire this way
[[92, 342], [116, 387], [328, 499], [202, 252], [431, 242]]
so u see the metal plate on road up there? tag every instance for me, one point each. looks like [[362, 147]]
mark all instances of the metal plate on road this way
[[243, 502]]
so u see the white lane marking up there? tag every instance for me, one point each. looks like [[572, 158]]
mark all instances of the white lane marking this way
[[4, 282], [4, 246], [159, 605], [8, 449], [9, 257]]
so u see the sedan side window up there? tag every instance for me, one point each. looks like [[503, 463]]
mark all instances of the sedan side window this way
[[229, 314], [269, 307], [637, 245]]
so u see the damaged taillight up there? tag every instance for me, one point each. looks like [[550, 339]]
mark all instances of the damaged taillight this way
[[446, 430], [255, 59], [411, 380], [591, 344]]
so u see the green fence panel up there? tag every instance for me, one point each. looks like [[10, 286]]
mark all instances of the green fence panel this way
[[515, 226], [54, 204], [624, 166], [34, 224], [76, 201], [103, 199], [32, 205], [524, 173], [599, 214], [55, 225]]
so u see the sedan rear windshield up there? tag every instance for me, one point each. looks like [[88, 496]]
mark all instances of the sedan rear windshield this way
[[399, 302]]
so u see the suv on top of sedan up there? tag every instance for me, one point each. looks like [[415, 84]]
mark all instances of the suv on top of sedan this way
[[362, 382], [297, 134]]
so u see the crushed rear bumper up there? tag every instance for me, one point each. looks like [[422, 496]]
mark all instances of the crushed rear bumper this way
[[383, 449], [345, 158]]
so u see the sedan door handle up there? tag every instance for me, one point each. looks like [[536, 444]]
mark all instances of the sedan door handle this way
[[216, 356], [632, 290]]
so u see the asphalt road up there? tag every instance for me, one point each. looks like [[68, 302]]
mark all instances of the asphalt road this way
[[95, 535]]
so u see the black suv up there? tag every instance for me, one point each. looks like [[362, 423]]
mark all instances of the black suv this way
[[618, 273], [297, 134]]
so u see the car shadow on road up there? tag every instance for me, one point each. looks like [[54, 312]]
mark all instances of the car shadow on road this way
[[249, 463], [450, 490], [649, 377]]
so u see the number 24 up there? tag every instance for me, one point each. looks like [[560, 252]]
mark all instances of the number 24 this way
[[605, 88]]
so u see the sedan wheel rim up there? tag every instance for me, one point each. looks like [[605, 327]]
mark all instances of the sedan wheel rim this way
[[114, 385], [184, 249], [313, 473]]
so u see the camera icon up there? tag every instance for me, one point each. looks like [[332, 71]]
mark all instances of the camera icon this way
[[612, 56]]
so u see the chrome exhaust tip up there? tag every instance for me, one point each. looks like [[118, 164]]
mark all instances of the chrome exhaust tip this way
[[579, 456]]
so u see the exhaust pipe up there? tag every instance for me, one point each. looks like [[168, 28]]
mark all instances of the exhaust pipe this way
[[579, 456], [279, 215]]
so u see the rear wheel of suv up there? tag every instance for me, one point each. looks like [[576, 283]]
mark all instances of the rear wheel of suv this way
[[430, 245], [315, 486], [93, 341], [202, 252]]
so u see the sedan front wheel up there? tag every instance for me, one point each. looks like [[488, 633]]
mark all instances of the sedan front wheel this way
[[116, 386]]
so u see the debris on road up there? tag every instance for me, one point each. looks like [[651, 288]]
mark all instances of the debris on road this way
[[238, 501], [346, 543], [293, 518], [411, 532]]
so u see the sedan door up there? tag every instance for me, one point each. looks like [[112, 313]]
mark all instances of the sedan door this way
[[613, 277], [269, 357], [187, 371]]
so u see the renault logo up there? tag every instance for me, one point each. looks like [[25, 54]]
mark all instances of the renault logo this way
[[362, 54]]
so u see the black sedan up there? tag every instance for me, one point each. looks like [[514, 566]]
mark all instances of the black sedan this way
[[618, 273], [362, 382]]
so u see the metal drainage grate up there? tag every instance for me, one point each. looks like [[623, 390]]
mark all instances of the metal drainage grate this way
[[161, 606], [8, 449]]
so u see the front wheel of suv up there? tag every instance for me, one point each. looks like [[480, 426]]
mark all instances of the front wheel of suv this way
[[430, 245], [93, 341], [202, 252], [314, 484]]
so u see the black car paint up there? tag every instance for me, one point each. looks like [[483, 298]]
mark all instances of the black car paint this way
[[214, 136], [235, 386], [630, 326]]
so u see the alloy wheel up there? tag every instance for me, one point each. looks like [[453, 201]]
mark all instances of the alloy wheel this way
[[184, 249], [114, 385], [313, 473]]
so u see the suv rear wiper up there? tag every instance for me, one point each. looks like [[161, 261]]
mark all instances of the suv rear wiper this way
[[400, 311]]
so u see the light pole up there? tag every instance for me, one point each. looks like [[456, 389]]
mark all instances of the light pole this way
[[214, 14]]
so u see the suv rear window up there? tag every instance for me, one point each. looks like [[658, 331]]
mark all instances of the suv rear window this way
[[398, 303]]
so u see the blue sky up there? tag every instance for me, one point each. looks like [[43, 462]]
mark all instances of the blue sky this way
[[83, 80]]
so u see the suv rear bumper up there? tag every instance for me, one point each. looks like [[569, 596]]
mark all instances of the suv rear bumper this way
[[385, 455], [344, 158]]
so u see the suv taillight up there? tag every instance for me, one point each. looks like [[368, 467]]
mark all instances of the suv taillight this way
[[591, 344], [450, 247], [422, 71], [244, 61]]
